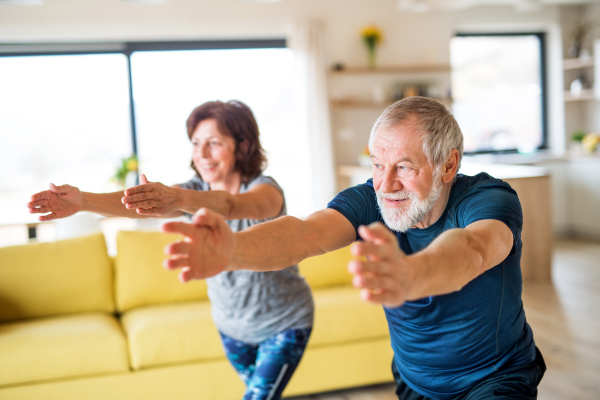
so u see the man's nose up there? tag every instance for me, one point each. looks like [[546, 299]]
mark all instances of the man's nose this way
[[390, 182]]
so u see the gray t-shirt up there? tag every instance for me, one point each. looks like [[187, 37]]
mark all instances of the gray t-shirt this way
[[253, 306]]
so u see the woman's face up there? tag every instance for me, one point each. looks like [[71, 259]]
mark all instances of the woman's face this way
[[214, 153]]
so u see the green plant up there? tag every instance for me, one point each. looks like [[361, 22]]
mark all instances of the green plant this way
[[578, 135], [127, 165]]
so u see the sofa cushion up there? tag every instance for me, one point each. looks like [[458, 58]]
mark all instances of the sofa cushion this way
[[173, 333], [42, 279], [342, 317], [329, 269], [140, 278], [61, 347]]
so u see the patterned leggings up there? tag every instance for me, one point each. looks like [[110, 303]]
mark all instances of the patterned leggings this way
[[267, 367]]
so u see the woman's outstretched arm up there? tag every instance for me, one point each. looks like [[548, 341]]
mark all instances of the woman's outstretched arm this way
[[65, 200], [155, 199]]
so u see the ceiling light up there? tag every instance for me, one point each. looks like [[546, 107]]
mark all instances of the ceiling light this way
[[528, 6], [413, 6]]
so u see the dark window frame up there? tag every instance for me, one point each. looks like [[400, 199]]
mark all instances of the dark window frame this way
[[127, 49], [543, 83]]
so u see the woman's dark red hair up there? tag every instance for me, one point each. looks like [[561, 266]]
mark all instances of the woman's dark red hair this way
[[234, 119]]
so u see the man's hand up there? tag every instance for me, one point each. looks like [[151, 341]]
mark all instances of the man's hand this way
[[60, 201], [205, 251], [386, 278], [151, 198]]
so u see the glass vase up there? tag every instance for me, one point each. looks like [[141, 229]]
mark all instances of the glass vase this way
[[371, 57]]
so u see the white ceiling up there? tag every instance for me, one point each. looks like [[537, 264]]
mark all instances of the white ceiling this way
[[519, 5]]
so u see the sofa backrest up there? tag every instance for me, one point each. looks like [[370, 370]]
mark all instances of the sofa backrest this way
[[140, 279], [62, 277], [329, 269]]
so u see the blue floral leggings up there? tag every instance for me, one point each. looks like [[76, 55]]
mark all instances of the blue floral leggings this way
[[267, 367]]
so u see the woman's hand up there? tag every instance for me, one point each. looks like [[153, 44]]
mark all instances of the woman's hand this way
[[151, 198], [60, 201]]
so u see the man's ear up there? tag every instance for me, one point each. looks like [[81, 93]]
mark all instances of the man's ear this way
[[450, 167]]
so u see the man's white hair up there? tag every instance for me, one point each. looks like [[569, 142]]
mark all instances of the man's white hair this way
[[440, 131]]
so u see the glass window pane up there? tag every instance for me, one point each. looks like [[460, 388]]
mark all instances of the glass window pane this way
[[63, 119], [168, 85], [496, 90]]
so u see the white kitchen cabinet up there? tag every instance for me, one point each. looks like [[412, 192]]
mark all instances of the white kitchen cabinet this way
[[584, 195]]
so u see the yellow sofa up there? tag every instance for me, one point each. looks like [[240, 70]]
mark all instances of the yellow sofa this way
[[76, 324]]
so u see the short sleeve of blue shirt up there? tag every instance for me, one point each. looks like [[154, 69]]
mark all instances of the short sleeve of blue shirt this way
[[358, 204], [491, 200]]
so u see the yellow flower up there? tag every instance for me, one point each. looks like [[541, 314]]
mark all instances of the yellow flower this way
[[132, 165], [372, 33]]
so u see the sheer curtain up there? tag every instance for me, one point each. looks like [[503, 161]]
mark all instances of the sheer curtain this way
[[308, 44]]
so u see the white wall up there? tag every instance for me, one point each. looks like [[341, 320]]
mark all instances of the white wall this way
[[409, 38]]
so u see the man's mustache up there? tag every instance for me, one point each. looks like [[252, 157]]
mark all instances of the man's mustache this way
[[399, 195]]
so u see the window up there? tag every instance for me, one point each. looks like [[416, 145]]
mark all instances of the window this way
[[498, 91], [68, 115], [63, 119], [167, 85]]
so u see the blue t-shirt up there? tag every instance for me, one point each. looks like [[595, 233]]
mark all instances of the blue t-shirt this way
[[444, 345]]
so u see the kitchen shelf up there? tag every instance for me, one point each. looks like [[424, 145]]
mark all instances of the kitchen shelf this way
[[586, 94], [338, 104], [366, 104], [398, 69], [577, 63]]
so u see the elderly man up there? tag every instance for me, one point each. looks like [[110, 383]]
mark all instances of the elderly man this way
[[443, 255]]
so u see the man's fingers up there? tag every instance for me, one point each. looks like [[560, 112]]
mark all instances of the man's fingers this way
[[143, 179], [376, 252], [179, 247], [205, 217], [384, 298], [186, 275], [178, 261], [374, 282], [376, 233], [369, 267], [179, 227]]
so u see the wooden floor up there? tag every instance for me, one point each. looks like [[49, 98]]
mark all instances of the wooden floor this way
[[565, 317]]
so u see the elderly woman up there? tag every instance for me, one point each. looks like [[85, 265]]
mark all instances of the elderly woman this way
[[264, 318]]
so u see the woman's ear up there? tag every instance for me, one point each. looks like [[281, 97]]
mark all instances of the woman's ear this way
[[244, 147]]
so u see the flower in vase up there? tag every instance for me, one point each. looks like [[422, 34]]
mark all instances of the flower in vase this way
[[372, 36], [126, 166]]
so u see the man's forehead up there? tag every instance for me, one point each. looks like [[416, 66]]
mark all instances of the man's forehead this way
[[398, 136]]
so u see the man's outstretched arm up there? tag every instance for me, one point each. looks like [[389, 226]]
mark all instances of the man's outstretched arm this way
[[452, 260], [211, 247]]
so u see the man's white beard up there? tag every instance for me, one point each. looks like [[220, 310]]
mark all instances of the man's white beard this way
[[401, 219]]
